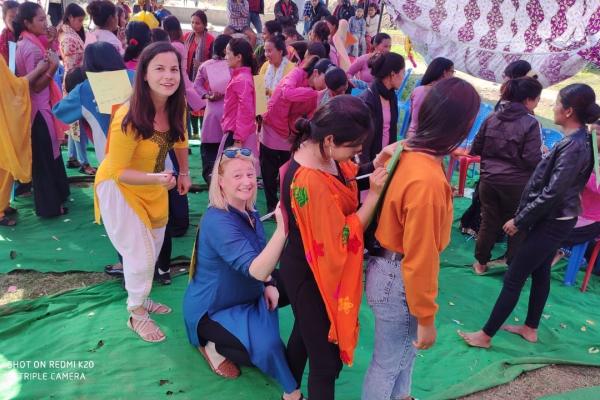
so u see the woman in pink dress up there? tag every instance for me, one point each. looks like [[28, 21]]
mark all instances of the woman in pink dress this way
[[212, 133], [382, 43], [50, 186]]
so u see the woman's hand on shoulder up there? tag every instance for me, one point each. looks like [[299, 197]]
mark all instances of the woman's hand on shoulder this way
[[385, 154]]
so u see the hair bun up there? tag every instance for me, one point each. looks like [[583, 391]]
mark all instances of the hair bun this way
[[593, 112], [302, 127]]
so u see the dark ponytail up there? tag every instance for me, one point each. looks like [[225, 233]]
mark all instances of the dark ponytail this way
[[520, 89], [345, 117], [582, 99], [25, 12], [383, 65], [242, 47], [138, 36]]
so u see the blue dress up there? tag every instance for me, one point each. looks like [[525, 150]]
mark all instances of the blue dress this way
[[223, 288]]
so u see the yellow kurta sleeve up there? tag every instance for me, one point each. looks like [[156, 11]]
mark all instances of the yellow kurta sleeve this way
[[15, 125]]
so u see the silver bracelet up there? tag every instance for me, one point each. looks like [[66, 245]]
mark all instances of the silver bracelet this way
[[184, 173]]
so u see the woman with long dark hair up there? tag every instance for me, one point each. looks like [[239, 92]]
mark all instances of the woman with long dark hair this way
[[131, 184], [388, 70], [439, 68], [71, 39], [104, 15], [212, 133], [50, 186], [321, 264], [510, 145], [413, 229], [548, 212]]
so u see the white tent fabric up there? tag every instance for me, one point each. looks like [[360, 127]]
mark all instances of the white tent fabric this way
[[558, 37]]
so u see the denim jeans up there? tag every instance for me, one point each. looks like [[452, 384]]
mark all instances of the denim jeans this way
[[390, 372], [255, 20], [78, 150]]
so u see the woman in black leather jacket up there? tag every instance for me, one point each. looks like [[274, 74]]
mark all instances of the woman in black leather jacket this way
[[548, 211]]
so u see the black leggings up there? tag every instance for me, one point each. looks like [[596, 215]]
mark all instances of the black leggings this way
[[226, 344], [308, 340], [533, 258]]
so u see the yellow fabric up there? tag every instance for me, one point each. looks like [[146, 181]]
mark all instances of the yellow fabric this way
[[126, 151], [288, 68], [146, 17], [15, 124], [415, 220], [6, 184]]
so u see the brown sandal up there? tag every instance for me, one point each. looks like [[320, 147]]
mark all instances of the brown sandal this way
[[227, 369], [156, 308], [145, 327]]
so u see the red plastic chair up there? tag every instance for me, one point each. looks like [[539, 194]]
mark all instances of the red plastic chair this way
[[464, 162], [590, 267]]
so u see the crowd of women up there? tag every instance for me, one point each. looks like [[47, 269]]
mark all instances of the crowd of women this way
[[312, 147]]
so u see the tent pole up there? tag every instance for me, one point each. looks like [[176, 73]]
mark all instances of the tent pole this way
[[380, 17]]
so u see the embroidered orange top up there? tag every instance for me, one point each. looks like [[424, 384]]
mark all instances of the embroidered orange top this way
[[126, 151], [415, 220], [332, 236]]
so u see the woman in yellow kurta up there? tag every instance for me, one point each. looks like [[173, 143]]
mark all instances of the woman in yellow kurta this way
[[131, 184], [15, 130], [321, 264]]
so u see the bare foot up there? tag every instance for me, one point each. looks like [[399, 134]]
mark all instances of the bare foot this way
[[526, 332], [496, 263], [295, 395], [557, 257], [476, 339], [479, 268]]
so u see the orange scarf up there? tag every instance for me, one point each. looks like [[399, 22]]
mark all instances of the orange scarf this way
[[325, 211]]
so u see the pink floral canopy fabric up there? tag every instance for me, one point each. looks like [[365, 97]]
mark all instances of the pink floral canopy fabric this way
[[558, 37]]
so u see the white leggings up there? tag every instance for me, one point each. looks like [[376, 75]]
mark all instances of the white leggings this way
[[138, 245]]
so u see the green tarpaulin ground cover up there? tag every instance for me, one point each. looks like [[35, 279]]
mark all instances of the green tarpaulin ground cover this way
[[76, 345]]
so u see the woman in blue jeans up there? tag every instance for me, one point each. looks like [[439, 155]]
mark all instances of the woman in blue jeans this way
[[413, 229]]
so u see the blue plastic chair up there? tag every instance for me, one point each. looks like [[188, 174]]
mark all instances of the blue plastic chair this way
[[404, 82], [550, 137], [405, 107], [574, 264], [484, 111]]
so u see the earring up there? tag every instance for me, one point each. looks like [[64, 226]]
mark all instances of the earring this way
[[330, 152]]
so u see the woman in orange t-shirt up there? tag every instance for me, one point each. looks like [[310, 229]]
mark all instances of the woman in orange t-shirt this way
[[413, 229]]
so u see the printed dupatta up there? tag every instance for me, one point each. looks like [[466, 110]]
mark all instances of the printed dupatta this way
[[332, 235]]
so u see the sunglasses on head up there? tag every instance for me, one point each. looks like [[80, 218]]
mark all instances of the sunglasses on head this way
[[232, 153]]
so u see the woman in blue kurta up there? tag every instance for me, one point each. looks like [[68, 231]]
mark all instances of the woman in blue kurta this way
[[230, 303]]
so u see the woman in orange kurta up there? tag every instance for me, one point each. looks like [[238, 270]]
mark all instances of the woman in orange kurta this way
[[413, 228], [321, 265]]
